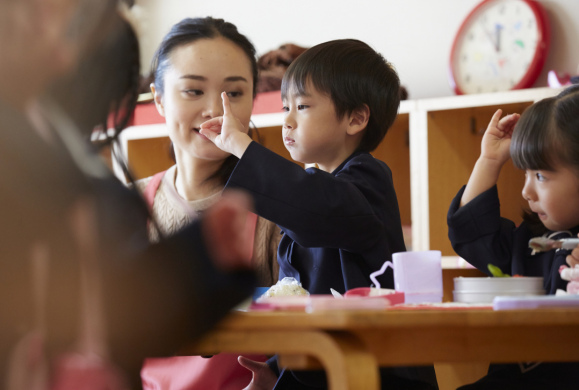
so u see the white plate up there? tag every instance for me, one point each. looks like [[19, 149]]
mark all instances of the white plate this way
[[487, 297], [495, 285]]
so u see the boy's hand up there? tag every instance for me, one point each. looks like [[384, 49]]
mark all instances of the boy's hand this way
[[573, 258], [497, 138], [226, 131]]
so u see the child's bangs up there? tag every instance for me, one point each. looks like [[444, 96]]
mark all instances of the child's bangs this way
[[294, 81], [532, 145], [306, 68]]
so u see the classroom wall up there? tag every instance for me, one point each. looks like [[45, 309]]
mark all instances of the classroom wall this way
[[415, 35]]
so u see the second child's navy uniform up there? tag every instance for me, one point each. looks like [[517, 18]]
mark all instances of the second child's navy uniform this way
[[337, 227], [480, 236]]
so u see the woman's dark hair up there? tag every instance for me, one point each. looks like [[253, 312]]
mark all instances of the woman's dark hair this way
[[105, 85], [190, 30], [352, 74], [548, 134]]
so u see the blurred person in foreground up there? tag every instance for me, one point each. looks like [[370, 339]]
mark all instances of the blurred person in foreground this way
[[156, 298]]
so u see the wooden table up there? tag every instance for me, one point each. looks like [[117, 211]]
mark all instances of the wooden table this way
[[350, 345]]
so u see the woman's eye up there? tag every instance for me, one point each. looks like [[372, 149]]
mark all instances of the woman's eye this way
[[193, 92], [540, 176]]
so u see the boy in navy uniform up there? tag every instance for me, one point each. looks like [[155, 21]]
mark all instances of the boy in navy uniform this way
[[340, 220]]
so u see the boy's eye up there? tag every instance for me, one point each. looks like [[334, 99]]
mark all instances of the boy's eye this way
[[285, 108], [234, 94], [302, 106], [540, 176]]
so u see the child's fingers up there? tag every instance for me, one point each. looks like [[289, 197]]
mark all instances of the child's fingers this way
[[571, 260], [226, 104], [212, 124], [508, 122], [495, 119], [211, 128], [210, 134], [249, 364]]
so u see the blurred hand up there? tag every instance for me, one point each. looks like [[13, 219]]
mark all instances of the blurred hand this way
[[263, 377], [573, 258], [226, 232], [497, 138]]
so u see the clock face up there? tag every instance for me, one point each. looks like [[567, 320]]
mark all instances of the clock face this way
[[501, 45]]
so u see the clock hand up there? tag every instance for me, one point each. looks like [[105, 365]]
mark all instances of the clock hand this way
[[491, 38], [498, 29]]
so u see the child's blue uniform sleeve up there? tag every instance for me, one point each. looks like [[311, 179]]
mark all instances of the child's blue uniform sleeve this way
[[479, 234], [313, 207]]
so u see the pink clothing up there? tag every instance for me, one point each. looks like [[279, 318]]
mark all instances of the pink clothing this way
[[220, 372]]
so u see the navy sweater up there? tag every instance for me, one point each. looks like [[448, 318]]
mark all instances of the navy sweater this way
[[337, 228], [480, 236]]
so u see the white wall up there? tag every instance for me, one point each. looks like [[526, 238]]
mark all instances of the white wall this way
[[415, 35]]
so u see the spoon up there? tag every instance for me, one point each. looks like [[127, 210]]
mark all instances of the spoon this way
[[542, 244], [336, 294]]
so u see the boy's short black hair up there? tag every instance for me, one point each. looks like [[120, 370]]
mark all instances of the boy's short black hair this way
[[352, 74]]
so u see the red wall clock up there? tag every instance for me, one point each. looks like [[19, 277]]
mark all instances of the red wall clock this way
[[501, 45]]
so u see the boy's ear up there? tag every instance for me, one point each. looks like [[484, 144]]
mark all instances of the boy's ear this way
[[359, 119], [158, 100]]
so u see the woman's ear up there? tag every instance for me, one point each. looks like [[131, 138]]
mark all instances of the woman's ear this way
[[359, 119], [158, 100]]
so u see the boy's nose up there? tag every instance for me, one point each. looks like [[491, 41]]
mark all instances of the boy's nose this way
[[288, 123]]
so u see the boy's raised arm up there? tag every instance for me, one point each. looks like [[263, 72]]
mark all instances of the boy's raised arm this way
[[494, 154], [226, 131]]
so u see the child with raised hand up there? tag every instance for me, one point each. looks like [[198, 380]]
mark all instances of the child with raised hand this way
[[340, 221], [543, 141]]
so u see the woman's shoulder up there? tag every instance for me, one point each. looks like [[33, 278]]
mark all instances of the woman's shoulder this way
[[141, 184]]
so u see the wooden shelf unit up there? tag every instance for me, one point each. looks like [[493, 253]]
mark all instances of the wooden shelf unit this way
[[431, 149]]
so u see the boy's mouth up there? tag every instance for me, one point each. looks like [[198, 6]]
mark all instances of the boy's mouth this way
[[288, 141]]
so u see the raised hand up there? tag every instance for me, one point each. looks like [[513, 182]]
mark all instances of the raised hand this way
[[226, 131], [494, 154], [263, 377], [497, 138]]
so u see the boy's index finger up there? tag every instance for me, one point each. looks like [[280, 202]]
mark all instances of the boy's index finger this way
[[226, 106]]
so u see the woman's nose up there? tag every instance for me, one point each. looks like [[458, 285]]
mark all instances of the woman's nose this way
[[213, 107]]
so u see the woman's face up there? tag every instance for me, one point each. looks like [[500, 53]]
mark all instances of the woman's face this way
[[197, 74]]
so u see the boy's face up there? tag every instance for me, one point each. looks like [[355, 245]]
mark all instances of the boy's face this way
[[312, 132]]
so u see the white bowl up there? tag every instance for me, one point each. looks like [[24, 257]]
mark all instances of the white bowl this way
[[490, 284], [488, 297], [485, 289]]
